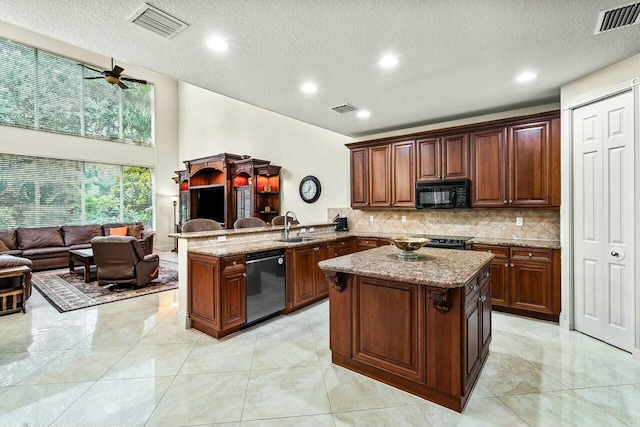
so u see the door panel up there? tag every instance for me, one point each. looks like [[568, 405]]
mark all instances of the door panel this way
[[429, 159], [359, 174], [403, 190], [455, 157], [604, 226], [380, 176], [530, 164], [488, 168]]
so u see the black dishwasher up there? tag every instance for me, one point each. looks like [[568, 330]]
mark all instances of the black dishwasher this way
[[266, 288]]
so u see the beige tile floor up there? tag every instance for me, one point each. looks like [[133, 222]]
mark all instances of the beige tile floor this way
[[127, 364]]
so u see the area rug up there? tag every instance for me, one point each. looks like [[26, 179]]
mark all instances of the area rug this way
[[68, 291]]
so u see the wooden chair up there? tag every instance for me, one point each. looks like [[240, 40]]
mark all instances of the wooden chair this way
[[250, 222]]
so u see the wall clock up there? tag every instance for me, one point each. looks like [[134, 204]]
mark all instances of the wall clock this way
[[310, 189]]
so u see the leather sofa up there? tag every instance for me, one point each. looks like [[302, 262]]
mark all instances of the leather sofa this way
[[48, 247]]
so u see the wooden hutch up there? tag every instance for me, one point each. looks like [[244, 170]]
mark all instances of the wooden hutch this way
[[225, 187]]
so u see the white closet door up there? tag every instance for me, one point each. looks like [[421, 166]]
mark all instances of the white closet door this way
[[603, 138]]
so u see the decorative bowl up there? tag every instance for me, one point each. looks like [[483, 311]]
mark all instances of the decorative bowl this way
[[409, 244]]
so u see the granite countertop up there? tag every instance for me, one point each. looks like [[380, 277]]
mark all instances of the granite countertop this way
[[445, 268], [244, 231], [242, 248], [529, 243]]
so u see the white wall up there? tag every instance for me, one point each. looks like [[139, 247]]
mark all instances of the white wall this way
[[210, 123], [590, 87], [162, 158]]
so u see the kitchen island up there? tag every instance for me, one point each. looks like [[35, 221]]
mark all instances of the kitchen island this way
[[422, 326]]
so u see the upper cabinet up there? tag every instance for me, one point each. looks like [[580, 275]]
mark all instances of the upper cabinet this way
[[443, 158], [512, 163], [516, 166], [383, 176]]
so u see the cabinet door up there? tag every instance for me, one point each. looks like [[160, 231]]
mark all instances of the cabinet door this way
[[304, 275], [233, 296], [359, 177], [530, 165], [203, 282], [455, 157], [325, 251], [472, 325], [429, 159], [380, 176], [485, 315], [499, 273], [531, 286], [489, 168], [403, 179]]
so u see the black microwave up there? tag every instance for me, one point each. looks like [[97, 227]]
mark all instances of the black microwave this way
[[443, 195]]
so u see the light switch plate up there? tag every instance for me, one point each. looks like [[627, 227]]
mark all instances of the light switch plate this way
[[404, 218], [519, 221], [370, 218], [222, 238]]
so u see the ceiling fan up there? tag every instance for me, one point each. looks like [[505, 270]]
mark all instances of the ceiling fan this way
[[113, 76]]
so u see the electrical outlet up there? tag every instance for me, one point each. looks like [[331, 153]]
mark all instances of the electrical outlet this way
[[404, 218], [222, 238], [311, 229], [303, 230], [370, 218], [519, 221]]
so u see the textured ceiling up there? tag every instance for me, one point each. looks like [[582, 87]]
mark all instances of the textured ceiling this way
[[457, 58]]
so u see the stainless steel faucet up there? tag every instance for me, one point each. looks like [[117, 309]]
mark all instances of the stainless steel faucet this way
[[287, 224]]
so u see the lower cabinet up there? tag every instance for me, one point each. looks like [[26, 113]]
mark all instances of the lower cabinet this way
[[478, 324], [217, 290], [305, 281], [525, 281]]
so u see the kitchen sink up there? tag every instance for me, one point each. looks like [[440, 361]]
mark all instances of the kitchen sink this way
[[297, 239]]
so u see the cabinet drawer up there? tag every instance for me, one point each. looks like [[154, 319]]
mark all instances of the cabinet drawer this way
[[484, 275], [473, 285], [234, 261], [531, 254], [499, 251]]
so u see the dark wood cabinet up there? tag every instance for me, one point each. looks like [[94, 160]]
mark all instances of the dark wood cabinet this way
[[525, 281], [380, 176], [383, 176], [512, 163], [305, 281], [397, 333], [403, 173], [359, 177], [516, 166], [217, 290], [489, 168], [343, 247], [443, 158]]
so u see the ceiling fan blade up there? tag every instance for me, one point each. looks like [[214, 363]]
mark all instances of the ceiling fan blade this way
[[93, 78], [92, 69], [142, 82], [117, 70], [122, 85]]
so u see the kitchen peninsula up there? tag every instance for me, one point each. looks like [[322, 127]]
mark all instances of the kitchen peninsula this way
[[423, 326]]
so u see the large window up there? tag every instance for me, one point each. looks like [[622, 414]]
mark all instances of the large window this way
[[36, 191], [40, 90]]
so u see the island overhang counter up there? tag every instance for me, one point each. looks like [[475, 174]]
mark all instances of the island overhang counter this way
[[423, 326]]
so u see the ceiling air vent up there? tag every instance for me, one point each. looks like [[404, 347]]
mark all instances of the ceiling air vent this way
[[344, 108], [618, 17], [157, 21]]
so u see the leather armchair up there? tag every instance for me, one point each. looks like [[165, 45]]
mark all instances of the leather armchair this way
[[120, 259]]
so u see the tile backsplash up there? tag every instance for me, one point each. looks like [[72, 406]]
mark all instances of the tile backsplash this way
[[543, 224]]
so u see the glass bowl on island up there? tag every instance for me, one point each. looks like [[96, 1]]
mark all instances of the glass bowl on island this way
[[409, 244]]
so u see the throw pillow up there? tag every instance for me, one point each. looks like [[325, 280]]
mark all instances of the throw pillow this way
[[118, 231], [3, 247], [135, 230]]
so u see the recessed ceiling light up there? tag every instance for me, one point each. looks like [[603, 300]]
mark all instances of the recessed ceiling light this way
[[309, 88], [363, 114], [388, 61], [527, 76], [218, 44]]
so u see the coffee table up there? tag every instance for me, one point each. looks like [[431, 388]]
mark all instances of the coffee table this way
[[83, 257]]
